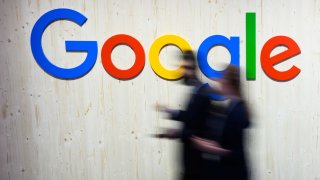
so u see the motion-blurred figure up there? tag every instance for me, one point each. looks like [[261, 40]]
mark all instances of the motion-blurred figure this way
[[195, 112], [230, 144]]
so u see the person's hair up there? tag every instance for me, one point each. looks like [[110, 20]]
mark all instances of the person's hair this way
[[188, 55], [232, 75]]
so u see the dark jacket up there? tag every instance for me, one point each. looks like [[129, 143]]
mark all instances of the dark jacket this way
[[234, 166], [196, 112]]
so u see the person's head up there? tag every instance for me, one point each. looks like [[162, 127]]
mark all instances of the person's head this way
[[231, 86], [230, 82], [189, 66]]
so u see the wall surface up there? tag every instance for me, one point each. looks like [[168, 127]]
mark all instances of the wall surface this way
[[98, 127]]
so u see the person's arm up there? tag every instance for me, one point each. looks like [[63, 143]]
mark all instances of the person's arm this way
[[173, 114], [169, 134], [209, 146]]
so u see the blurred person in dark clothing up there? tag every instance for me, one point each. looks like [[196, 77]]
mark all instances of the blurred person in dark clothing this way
[[230, 147], [195, 112]]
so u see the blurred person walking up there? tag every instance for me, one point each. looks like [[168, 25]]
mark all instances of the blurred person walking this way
[[195, 112], [230, 147]]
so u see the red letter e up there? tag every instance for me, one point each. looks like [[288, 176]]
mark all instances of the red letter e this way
[[268, 62]]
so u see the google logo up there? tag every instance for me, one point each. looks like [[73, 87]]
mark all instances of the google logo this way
[[232, 44]]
